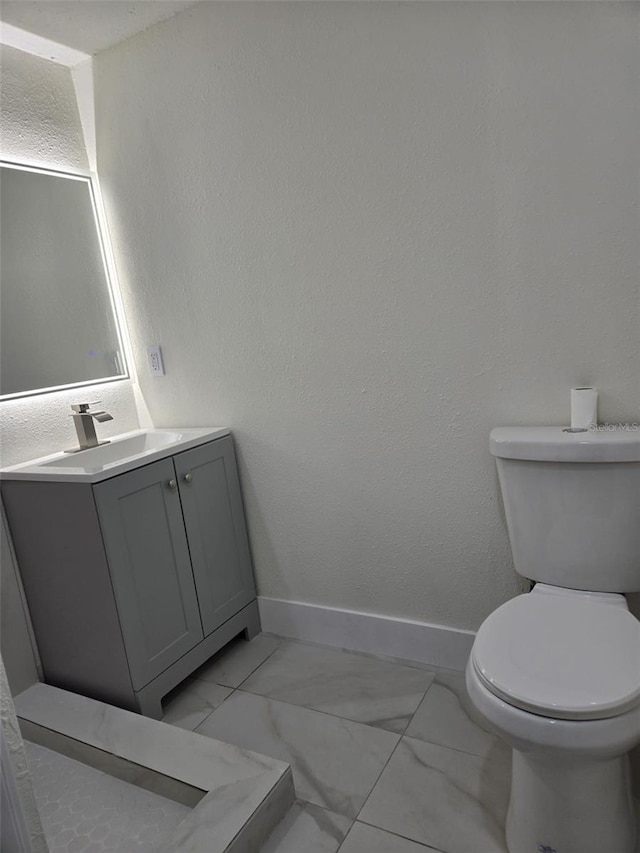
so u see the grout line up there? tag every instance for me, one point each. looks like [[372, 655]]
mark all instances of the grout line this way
[[405, 662], [317, 711], [253, 671], [302, 803], [386, 764], [226, 698], [230, 686], [505, 760], [404, 731], [398, 835]]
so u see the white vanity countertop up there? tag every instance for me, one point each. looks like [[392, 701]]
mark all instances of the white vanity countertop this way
[[121, 454]]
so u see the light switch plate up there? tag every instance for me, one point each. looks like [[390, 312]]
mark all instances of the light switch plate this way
[[155, 361]]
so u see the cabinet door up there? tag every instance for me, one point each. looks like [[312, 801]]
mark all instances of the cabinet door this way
[[148, 556], [214, 520]]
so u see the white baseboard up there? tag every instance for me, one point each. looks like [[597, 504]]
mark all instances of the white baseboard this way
[[367, 632]]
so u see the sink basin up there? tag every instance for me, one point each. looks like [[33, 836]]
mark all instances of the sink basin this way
[[123, 453], [119, 449]]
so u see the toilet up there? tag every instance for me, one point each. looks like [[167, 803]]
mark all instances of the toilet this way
[[555, 672]]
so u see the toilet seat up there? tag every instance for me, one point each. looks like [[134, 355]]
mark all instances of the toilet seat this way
[[566, 655]]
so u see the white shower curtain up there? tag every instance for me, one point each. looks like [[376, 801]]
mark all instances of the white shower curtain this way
[[20, 825]]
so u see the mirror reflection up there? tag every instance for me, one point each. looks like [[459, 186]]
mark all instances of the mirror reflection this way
[[57, 323]]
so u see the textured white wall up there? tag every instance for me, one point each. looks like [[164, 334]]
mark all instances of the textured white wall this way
[[40, 120], [363, 235], [40, 124]]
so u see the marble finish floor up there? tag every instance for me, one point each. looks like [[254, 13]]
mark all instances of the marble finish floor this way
[[385, 755]]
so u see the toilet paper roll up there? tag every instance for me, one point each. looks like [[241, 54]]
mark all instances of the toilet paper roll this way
[[584, 408]]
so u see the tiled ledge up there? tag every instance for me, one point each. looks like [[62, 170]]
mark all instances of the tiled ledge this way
[[244, 795]]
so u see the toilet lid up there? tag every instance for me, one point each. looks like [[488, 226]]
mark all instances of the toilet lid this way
[[561, 656]]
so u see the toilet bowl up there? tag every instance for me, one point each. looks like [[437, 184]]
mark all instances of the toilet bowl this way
[[555, 673], [567, 796]]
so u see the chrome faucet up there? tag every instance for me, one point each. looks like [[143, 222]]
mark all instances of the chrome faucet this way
[[83, 421]]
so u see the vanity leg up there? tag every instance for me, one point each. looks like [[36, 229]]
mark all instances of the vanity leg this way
[[253, 622], [149, 705]]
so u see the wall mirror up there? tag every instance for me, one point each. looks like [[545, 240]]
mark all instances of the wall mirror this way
[[58, 324]]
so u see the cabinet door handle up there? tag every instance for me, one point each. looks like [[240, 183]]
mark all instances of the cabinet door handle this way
[[172, 484], [188, 478]]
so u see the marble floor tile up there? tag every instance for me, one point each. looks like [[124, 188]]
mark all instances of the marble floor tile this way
[[356, 687], [442, 798], [310, 829], [237, 660], [192, 702], [368, 839], [444, 718], [335, 762]]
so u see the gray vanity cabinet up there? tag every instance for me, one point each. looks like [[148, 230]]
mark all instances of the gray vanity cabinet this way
[[214, 520], [136, 580], [146, 545]]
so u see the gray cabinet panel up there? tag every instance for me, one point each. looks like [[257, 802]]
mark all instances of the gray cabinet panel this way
[[57, 539], [214, 521], [148, 556]]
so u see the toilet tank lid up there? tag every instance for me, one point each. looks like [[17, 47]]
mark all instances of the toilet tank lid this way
[[619, 443]]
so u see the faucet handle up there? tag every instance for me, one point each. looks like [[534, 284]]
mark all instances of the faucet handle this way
[[82, 408]]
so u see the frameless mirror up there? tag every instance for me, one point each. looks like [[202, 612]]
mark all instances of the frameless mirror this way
[[58, 326]]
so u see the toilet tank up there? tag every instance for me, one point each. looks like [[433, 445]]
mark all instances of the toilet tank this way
[[572, 502]]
